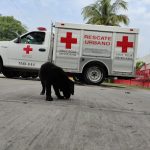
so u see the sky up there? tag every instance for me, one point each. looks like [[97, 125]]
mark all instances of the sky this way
[[35, 13]]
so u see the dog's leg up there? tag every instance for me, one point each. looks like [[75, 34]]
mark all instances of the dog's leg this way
[[57, 92], [43, 88], [66, 94], [48, 92]]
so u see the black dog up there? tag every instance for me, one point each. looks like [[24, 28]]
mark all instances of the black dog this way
[[52, 75]]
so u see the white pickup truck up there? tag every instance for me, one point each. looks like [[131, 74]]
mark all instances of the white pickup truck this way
[[87, 52]]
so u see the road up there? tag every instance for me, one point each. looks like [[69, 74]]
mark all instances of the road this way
[[96, 118]]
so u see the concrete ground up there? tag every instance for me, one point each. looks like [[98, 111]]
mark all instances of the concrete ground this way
[[96, 118]]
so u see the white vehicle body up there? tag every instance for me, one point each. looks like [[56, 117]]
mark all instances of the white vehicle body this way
[[89, 52]]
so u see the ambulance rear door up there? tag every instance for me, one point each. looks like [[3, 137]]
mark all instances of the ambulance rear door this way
[[125, 47], [67, 48]]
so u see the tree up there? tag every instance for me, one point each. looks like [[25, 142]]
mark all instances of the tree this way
[[104, 12], [9, 26]]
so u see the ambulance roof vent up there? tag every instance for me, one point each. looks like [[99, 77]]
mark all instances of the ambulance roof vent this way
[[41, 28]]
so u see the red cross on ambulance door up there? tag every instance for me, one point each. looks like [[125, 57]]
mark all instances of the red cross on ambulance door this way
[[68, 48], [123, 55]]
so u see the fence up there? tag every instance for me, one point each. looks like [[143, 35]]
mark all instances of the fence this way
[[142, 78]]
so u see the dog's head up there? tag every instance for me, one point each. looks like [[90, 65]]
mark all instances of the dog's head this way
[[69, 89]]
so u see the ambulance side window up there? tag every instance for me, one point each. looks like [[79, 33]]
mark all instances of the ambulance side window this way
[[33, 38]]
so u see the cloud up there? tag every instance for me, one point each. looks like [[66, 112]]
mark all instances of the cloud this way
[[83, 3], [49, 3], [140, 14], [140, 1]]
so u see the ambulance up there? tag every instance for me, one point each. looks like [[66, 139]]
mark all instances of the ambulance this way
[[90, 53]]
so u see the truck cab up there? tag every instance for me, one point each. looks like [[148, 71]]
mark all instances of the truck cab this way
[[24, 55]]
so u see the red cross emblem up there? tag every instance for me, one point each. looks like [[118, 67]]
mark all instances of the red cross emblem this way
[[124, 44], [68, 40], [27, 49]]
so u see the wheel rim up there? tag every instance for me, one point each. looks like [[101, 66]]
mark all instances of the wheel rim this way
[[94, 74]]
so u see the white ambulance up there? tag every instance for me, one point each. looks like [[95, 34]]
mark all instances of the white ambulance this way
[[89, 53]]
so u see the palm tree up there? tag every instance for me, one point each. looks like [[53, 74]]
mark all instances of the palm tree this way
[[103, 12]]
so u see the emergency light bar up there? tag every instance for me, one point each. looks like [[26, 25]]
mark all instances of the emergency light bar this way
[[41, 28]]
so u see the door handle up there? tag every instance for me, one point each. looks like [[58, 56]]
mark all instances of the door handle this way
[[42, 49]]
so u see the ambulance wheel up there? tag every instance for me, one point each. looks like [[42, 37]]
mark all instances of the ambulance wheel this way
[[94, 74]]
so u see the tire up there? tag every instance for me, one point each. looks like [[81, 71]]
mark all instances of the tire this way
[[94, 74], [1, 65], [8, 73]]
